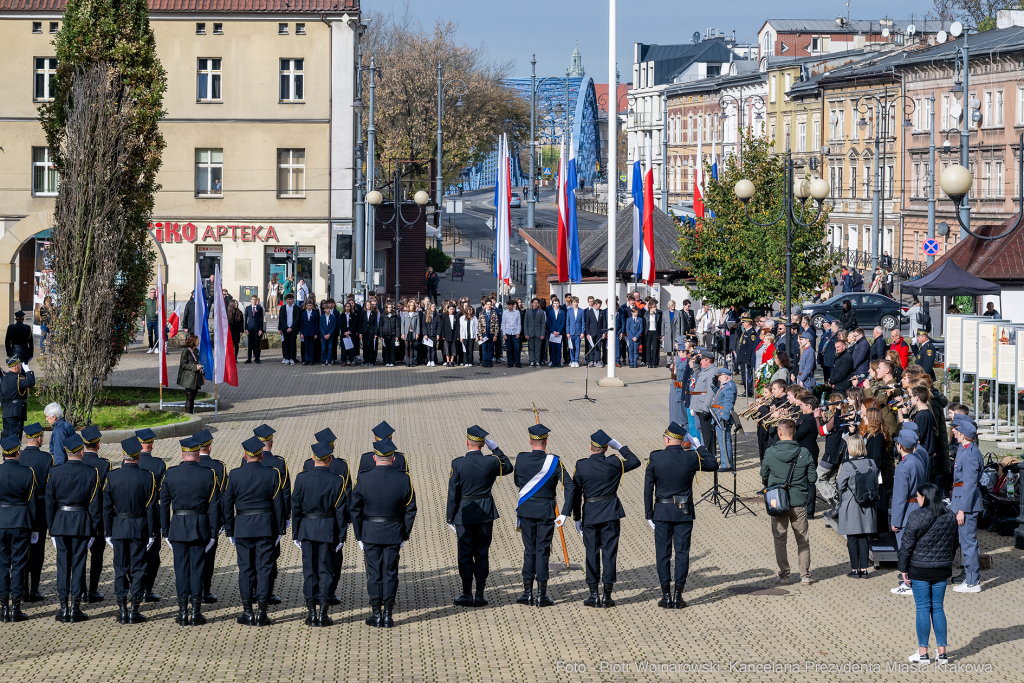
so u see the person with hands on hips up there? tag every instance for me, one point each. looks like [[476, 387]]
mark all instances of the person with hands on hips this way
[[471, 510], [597, 510]]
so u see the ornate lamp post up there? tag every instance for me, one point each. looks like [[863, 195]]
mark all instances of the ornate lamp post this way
[[956, 182], [459, 90], [374, 198], [757, 102]]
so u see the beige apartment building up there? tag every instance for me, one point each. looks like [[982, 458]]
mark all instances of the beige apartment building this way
[[260, 135]]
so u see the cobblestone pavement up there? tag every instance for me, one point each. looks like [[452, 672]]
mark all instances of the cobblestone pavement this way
[[832, 622]]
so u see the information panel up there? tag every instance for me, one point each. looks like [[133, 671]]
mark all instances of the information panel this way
[[987, 350], [1007, 356], [954, 332], [969, 350]]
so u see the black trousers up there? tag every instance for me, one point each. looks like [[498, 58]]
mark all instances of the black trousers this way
[[288, 344], [34, 568], [536, 535], [336, 562], [665, 534], [381, 571], [129, 566], [857, 545], [317, 572], [275, 555], [474, 542], [96, 562], [255, 560], [369, 347], [151, 562], [188, 568], [209, 563], [14, 545], [826, 373], [708, 433], [602, 543], [12, 427], [309, 348], [254, 345], [71, 552], [653, 337]]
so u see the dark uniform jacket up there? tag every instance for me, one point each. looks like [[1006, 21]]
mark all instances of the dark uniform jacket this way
[[102, 465], [253, 502], [925, 357], [541, 505], [599, 476], [367, 463], [41, 463], [278, 463], [218, 469], [18, 505], [130, 503], [745, 346], [255, 319], [14, 393], [807, 433], [19, 342], [669, 477], [158, 467], [77, 485], [320, 506], [878, 349], [842, 372], [383, 506], [189, 486], [469, 487]]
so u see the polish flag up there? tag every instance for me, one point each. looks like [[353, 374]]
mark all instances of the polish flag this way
[[174, 320], [648, 220], [698, 178], [224, 367]]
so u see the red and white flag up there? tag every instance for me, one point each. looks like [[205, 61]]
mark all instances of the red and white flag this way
[[174, 321], [161, 336], [698, 177], [224, 367]]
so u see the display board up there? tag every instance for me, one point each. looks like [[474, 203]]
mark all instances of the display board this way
[[987, 357], [969, 346], [953, 340], [1007, 354]]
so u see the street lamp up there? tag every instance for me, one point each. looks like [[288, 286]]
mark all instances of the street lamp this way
[[756, 101], [460, 88], [374, 198], [796, 189], [364, 222], [956, 182]]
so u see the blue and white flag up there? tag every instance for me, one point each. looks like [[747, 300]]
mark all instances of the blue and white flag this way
[[202, 325], [538, 480]]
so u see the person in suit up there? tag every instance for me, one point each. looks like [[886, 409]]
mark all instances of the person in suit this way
[[746, 344], [597, 510], [328, 333], [511, 328], [383, 512], [596, 329], [309, 333], [910, 473], [18, 341], [255, 326], [827, 348], [265, 433], [537, 476], [668, 507], [575, 322], [966, 499], [253, 509], [652, 334], [288, 321], [62, 429], [633, 329], [158, 467], [18, 510], [879, 348], [471, 511], [842, 371], [348, 328], [189, 518], [369, 330], [41, 464], [205, 440], [73, 496], [91, 456], [534, 325], [450, 333], [129, 522], [556, 321], [339, 468], [689, 321], [319, 526], [14, 395]]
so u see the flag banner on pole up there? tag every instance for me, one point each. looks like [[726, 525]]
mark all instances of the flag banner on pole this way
[[562, 248], [503, 224], [202, 324], [698, 177], [224, 367], [162, 323], [572, 227], [637, 189], [708, 213], [174, 322], [648, 222]]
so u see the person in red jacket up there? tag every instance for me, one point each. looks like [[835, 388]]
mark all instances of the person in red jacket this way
[[899, 345]]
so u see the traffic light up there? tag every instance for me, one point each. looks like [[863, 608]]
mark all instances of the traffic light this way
[[290, 254]]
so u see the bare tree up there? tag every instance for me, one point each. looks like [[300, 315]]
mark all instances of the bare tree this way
[[980, 14]]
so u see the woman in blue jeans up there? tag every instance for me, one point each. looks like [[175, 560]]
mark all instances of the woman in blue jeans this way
[[926, 559]]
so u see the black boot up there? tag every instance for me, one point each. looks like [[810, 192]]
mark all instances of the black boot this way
[[542, 595], [182, 618], [75, 614], [5, 609], [95, 596], [195, 615], [386, 620], [209, 597], [323, 619], [466, 599], [527, 597], [246, 618], [34, 594], [151, 596], [16, 614], [62, 612], [592, 599], [122, 610], [606, 599], [678, 602], [261, 614], [666, 596], [274, 599], [134, 615], [480, 600], [334, 600], [374, 618], [311, 617]]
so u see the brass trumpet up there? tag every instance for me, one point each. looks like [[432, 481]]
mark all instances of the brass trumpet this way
[[754, 406], [788, 413]]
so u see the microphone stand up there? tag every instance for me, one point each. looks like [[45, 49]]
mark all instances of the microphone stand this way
[[715, 494], [586, 385], [732, 505]]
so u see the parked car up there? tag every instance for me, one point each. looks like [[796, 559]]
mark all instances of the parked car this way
[[515, 203], [871, 309]]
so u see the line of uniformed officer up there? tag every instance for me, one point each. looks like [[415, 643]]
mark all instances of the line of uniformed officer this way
[[265, 433], [18, 510], [151, 557], [91, 437], [14, 388], [205, 441], [41, 462], [339, 467]]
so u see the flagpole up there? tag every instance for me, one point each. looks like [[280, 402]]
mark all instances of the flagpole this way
[[613, 199]]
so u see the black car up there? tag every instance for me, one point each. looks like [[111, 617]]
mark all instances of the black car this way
[[872, 310]]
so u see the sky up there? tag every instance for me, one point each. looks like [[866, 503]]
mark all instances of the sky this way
[[551, 28]]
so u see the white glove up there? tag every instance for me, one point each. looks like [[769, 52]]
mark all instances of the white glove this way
[[298, 544], [54, 542], [615, 444], [25, 367], [579, 528], [278, 541], [34, 538], [695, 440], [490, 444], [110, 541], [232, 539], [92, 540], [210, 545], [559, 520], [651, 522], [361, 546], [150, 544], [401, 545], [168, 544], [452, 527], [337, 548]]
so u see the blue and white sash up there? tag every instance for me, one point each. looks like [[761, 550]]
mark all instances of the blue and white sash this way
[[539, 479]]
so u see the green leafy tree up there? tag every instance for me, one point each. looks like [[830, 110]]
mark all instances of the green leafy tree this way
[[102, 130], [735, 261]]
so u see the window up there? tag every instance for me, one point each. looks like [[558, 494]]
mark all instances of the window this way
[[208, 75], [53, 26], [1020, 104], [917, 114], [837, 123], [890, 172], [771, 94], [218, 29], [815, 44], [917, 180], [853, 181], [282, 29], [37, 27], [786, 131], [291, 172], [944, 122], [789, 83], [45, 72], [816, 136], [801, 137], [300, 29], [209, 172], [988, 108], [999, 179], [291, 80], [201, 29], [767, 44], [988, 179], [44, 175], [926, 114], [837, 181], [997, 119]]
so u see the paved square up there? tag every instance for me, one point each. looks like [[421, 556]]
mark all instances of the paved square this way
[[836, 621]]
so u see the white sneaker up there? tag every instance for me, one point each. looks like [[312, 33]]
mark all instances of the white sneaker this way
[[918, 658], [291, 362], [967, 588], [284, 362], [149, 350], [902, 589], [941, 658]]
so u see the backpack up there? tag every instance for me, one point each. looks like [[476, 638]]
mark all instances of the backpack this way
[[865, 490]]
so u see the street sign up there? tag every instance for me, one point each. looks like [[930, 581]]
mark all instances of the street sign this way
[[622, 178], [453, 206], [458, 268], [930, 247], [547, 170], [490, 222]]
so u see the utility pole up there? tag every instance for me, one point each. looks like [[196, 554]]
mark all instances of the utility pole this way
[[876, 195], [440, 113], [371, 212], [664, 152], [531, 196], [931, 174], [360, 207], [965, 133]]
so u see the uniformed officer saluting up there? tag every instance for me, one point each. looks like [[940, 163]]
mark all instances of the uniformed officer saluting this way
[[319, 526], [73, 514], [668, 506], [471, 511], [91, 436], [189, 516], [129, 518], [14, 395], [17, 520], [340, 468], [383, 511], [151, 463], [41, 462], [265, 433], [254, 517], [366, 460], [205, 440], [18, 341], [925, 356], [538, 474], [597, 509]]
